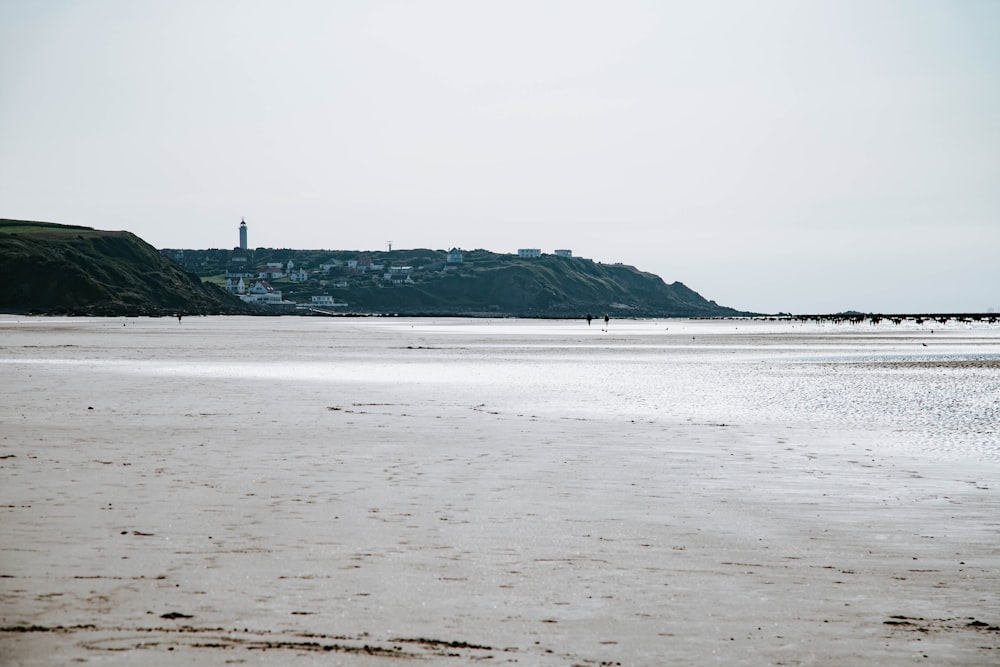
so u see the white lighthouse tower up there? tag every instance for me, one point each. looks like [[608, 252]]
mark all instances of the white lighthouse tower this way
[[243, 234]]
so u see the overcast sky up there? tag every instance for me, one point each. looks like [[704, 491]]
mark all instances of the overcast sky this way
[[800, 156]]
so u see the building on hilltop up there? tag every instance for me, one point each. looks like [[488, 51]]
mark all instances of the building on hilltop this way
[[239, 272], [455, 256], [563, 253], [397, 275], [273, 271], [235, 285], [262, 292], [243, 234], [529, 252]]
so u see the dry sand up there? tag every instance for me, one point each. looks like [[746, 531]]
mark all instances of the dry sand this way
[[159, 519]]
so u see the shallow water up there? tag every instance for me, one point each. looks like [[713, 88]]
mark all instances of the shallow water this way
[[930, 389]]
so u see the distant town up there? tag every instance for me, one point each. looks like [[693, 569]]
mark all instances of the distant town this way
[[263, 278]]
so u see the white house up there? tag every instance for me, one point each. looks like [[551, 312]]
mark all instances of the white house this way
[[235, 285], [262, 292], [321, 301], [298, 275], [274, 270], [260, 287], [529, 252], [563, 253], [455, 256], [398, 274]]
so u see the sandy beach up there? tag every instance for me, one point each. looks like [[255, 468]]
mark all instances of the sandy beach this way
[[379, 491]]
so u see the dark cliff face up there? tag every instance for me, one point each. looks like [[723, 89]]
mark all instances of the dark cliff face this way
[[57, 269], [548, 286], [483, 284]]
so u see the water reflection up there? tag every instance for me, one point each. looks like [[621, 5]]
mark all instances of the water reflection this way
[[936, 392]]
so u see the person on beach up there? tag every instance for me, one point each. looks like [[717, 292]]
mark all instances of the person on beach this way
[[589, 318], [606, 319]]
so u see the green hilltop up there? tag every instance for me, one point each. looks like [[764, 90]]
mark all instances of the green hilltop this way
[[48, 268], [484, 283]]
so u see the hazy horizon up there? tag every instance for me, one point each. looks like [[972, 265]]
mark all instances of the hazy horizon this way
[[772, 156]]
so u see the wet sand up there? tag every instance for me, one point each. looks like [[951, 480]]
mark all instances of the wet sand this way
[[169, 518]]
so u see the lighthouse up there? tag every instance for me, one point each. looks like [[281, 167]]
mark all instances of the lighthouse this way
[[243, 234]]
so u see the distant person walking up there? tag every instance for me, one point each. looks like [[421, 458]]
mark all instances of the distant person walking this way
[[589, 318], [606, 320]]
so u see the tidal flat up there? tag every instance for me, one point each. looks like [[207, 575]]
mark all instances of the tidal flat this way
[[380, 491]]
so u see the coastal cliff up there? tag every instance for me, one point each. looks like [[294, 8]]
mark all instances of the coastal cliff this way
[[47, 268], [547, 286], [482, 283]]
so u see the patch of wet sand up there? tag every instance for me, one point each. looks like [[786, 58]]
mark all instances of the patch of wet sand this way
[[148, 518]]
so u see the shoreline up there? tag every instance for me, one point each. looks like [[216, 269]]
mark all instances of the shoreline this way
[[153, 516]]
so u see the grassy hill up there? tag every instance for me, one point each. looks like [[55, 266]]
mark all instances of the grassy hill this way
[[65, 269], [547, 286], [485, 283]]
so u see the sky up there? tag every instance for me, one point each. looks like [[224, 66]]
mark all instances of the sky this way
[[774, 156]]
